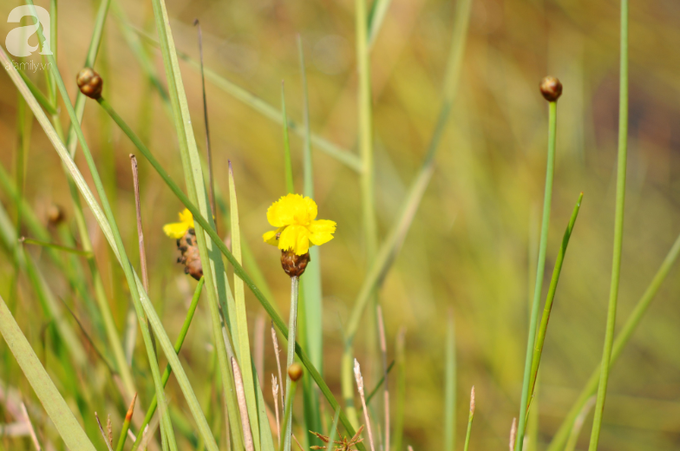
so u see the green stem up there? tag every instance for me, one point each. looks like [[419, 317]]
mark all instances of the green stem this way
[[618, 231], [545, 224], [538, 348], [168, 369], [292, 328], [288, 414], [471, 417]]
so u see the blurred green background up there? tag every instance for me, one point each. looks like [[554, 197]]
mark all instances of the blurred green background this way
[[472, 245]]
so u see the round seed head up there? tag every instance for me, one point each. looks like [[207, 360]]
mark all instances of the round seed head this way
[[55, 214], [295, 372], [90, 83], [551, 88], [294, 265]]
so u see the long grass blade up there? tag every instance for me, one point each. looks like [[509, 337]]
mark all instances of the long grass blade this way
[[450, 386], [618, 231], [57, 409]]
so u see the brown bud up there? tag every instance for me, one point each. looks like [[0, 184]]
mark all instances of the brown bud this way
[[294, 265], [295, 372], [90, 83], [551, 88], [190, 258], [55, 215]]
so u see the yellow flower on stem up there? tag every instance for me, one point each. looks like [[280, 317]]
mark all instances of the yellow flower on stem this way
[[177, 230], [296, 225]]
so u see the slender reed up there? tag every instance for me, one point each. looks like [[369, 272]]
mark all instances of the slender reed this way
[[277, 353], [450, 386], [618, 231], [540, 269], [513, 435], [126, 425], [275, 393], [386, 391], [292, 328], [243, 409], [471, 417]]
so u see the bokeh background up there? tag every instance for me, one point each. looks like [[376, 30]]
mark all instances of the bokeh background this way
[[471, 248]]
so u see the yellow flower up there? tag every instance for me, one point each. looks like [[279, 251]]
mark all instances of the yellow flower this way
[[179, 229], [296, 225]]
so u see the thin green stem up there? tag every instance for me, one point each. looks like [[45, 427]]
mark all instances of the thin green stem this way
[[471, 417], [538, 347], [168, 369], [292, 328], [286, 144], [618, 231], [545, 225]]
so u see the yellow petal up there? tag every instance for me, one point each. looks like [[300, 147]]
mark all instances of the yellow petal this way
[[292, 209], [175, 230], [321, 231], [295, 237], [271, 237], [187, 218]]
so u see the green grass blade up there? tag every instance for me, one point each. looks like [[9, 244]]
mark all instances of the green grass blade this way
[[540, 340], [450, 387], [37, 93], [57, 409], [400, 391], [58, 247], [618, 231], [243, 349], [471, 417], [376, 18], [578, 424], [288, 164], [540, 270]]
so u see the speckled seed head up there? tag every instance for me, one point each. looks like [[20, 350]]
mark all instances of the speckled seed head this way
[[295, 372], [294, 265], [551, 88], [90, 83]]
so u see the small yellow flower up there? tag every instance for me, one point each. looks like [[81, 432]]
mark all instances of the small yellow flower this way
[[179, 229], [296, 225]]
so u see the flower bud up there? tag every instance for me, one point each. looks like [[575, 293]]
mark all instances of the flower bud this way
[[294, 265], [55, 215], [295, 372], [90, 83], [551, 88]]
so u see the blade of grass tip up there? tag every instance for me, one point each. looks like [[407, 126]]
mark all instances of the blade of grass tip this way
[[31, 430], [386, 391], [360, 386], [126, 424], [375, 20], [578, 424], [618, 231], [540, 340], [107, 221], [217, 241], [334, 430], [513, 435], [450, 386], [243, 349], [70, 431], [471, 417], [211, 179], [312, 292], [243, 409], [288, 164], [58, 247], [339, 153], [622, 339], [218, 289], [178, 346], [540, 268]]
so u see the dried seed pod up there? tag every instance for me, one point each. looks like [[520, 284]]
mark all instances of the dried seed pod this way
[[55, 215], [295, 372], [551, 88], [90, 83], [190, 257], [294, 265]]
